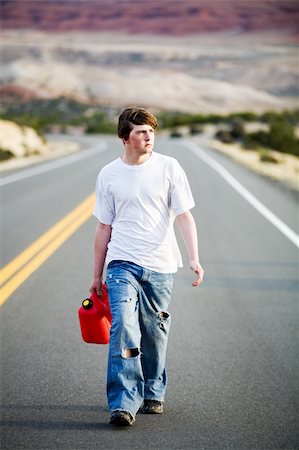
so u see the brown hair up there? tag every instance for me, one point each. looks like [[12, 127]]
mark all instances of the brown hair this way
[[136, 116]]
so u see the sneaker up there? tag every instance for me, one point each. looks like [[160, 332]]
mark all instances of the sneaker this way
[[152, 407], [121, 419]]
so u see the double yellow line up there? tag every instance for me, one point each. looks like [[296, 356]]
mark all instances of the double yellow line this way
[[18, 270]]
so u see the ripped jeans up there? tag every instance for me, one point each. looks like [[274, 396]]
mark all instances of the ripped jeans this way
[[139, 300]]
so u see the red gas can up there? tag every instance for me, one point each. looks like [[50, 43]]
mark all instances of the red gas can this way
[[95, 318]]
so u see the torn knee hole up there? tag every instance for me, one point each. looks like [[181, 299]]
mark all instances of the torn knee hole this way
[[130, 353], [164, 315]]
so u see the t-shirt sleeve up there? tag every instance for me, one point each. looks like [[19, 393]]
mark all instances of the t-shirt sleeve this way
[[181, 198], [104, 209]]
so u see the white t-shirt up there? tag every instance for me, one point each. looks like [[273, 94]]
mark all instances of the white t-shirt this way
[[140, 202]]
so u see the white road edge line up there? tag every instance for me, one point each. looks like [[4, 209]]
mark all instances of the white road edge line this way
[[235, 184], [56, 164]]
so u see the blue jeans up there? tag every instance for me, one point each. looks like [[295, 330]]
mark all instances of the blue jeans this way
[[139, 300]]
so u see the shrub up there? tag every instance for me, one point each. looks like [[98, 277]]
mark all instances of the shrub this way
[[175, 134], [5, 154], [255, 140], [282, 137], [238, 130], [244, 116], [267, 157], [289, 116], [195, 129], [224, 136]]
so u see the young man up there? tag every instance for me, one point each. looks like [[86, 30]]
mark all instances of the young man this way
[[138, 197]]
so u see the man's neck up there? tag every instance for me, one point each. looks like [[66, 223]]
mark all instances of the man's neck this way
[[135, 160]]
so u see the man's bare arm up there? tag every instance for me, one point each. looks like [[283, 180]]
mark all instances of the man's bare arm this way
[[102, 238]]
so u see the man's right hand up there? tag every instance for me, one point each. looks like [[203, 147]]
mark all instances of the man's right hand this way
[[96, 286]]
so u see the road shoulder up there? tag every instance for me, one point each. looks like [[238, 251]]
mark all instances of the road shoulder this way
[[56, 149], [285, 171]]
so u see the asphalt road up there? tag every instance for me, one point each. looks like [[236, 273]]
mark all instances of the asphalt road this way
[[233, 351]]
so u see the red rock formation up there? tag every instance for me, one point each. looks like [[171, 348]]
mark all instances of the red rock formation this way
[[168, 17]]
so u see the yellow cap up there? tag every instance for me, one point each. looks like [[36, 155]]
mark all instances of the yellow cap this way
[[87, 303]]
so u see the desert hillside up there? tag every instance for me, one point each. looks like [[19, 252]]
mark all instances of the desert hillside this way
[[207, 73]]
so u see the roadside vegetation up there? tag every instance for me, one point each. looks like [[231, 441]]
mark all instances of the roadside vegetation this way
[[278, 134], [277, 130], [58, 115]]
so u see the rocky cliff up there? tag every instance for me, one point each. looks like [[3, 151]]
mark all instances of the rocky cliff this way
[[20, 141]]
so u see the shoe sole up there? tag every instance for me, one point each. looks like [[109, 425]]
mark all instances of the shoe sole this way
[[121, 422]]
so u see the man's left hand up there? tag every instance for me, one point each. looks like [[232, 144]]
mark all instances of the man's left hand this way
[[196, 267]]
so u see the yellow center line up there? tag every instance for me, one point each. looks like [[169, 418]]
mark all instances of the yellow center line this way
[[8, 270], [37, 253]]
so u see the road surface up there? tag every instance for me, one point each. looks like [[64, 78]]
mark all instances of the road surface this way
[[233, 350]]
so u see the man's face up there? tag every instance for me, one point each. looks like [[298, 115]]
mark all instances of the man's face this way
[[141, 139]]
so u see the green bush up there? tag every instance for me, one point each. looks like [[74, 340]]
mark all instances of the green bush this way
[[291, 117], [281, 137], [5, 154], [98, 123], [256, 140], [168, 119], [244, 116], [224, 136], [238, 130]]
